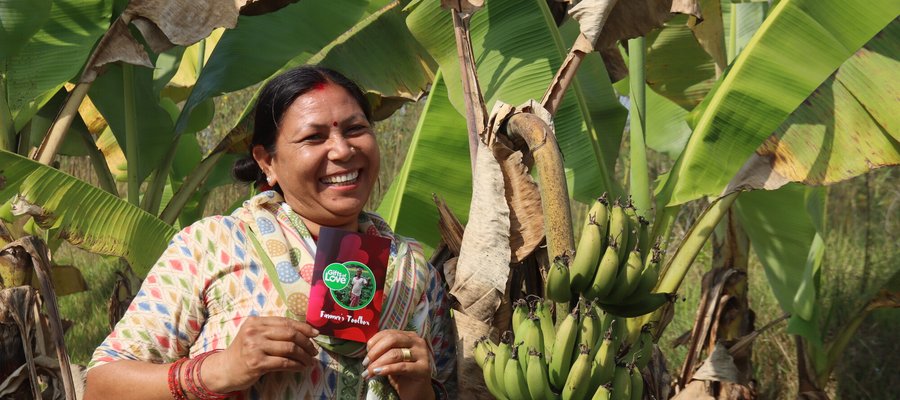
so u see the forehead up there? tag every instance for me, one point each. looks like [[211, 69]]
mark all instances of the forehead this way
[[327, 98]]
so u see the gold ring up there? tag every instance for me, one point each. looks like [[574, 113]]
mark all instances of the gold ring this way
[[406, 355]]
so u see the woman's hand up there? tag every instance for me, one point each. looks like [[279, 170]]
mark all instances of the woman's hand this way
[[262, 345], [405, 359]]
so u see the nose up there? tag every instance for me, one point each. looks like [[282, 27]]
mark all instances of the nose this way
[[340, 149]]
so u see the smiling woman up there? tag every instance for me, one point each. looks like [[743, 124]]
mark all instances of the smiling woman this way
[[314, 155]]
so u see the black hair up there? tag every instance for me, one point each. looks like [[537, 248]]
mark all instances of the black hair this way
[[275, 99]]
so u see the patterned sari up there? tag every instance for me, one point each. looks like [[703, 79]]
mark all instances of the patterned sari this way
[[211, 277]]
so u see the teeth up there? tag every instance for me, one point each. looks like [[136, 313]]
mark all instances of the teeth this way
[[343, 178]]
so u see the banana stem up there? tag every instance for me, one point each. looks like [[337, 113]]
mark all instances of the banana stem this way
[[53, 140], [131, 140], [638, 173], [684, 256], [552, 181], [190, 185], [7, 125]]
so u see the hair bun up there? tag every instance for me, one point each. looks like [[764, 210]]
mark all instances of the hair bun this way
[[246, 169]]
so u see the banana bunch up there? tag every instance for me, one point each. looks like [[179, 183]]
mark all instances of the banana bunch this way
[[590, 353], [613, 265]]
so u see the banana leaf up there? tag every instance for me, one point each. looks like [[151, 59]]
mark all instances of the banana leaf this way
[[260, 45], [53, 55], [154, 125], [797, 48], [21, 19], [86, 216], [517, 50], [72, 145], [677, 66], [437, 162], [783, 225]]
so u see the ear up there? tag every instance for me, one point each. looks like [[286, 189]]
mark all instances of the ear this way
[[264, 159]]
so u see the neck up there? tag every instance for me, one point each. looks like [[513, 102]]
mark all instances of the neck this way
[[314, 227]]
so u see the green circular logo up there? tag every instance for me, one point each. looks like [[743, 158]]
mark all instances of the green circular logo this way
[[360, 288], [336, 276]]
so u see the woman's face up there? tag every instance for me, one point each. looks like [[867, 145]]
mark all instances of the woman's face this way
[[326, 158]]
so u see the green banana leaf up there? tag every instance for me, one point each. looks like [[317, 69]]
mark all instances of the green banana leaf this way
[[21, 19], [850, 124], [86, 216], [799, 45], [517, 50], [677, 67], [742, 21], [260, 45], [783, 225], [53, 55], [437, 162], [608, 115], [154, 125]]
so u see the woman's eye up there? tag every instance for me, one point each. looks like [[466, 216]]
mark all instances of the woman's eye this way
[[357, 129], [313, 138]]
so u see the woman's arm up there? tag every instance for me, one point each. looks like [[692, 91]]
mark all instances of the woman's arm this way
[[128, 379]]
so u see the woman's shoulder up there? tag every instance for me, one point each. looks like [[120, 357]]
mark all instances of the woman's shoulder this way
[[215, 228]]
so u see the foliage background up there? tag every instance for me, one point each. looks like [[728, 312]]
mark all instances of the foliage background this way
[[863, 219]]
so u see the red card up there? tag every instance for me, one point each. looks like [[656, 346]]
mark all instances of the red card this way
[[348, 284]]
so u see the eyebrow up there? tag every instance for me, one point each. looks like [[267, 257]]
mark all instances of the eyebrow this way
[[354, 117]]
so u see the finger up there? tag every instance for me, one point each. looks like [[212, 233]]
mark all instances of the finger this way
[[395, 356], [288, 334], [417, 369], [291, 324], [396, 339], [288, 350]]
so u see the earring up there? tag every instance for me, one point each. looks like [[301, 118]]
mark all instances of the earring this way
[[353, 149], [270, 180]]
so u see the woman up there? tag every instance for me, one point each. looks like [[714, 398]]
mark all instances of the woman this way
[[209, 321]]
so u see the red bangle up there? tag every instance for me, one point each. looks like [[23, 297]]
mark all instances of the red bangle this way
[[195, 383], [174, 382]]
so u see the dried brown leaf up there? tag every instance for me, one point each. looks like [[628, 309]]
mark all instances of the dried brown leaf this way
[[463, 6], [483, 267], [625, 20], [719, 367]]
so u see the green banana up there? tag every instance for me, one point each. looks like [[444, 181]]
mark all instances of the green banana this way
[[644, 349], [542, 311], [590, 248], [589, 331], [602, 393], [563, 347], [650, 274], [621, 387], [604, 365], [536, 375], [618, 224], [633, 222], [575, 388], [642, 305], [557, 287], [637, 384], [480, 350], [644, 235], [519, 314], [514, 383], [534, 339], [490, 380], [627, 278], [605, 278], [501, 356]]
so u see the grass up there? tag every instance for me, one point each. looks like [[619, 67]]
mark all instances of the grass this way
[[862, 251]]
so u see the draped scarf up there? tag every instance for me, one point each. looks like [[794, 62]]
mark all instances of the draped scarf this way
[[289, 255]]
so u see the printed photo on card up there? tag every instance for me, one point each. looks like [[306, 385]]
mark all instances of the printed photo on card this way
[[348, 284]]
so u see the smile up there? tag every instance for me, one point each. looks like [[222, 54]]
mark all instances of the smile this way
[[341, 179]]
